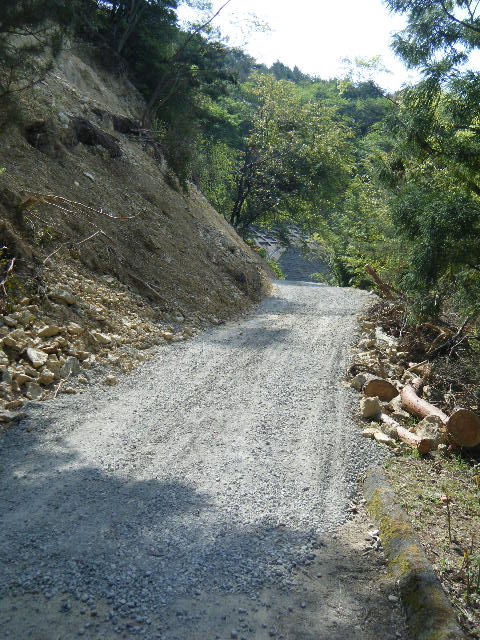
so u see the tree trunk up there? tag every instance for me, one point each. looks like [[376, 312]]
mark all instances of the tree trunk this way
[[417, 406], [423, 445], [464, 428], [463, 425], [383, 389]]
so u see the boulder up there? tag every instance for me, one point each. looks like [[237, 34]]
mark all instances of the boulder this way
[[63, 295], [37, 358], [48, 331], [358, 381], [70, 368], [370, 407], [34, 391], [382, 438], [433, 428], [46, 377]]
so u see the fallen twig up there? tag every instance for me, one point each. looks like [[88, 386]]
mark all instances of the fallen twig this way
[[8, 273], [74, 244]]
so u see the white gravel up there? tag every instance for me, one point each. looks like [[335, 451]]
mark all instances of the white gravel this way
[[214, 469]]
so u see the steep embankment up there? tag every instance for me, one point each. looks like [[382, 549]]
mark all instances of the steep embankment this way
[[144, 260]]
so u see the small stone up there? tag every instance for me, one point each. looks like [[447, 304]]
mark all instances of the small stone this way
[[370, 432], [167, 335], [14, 404], [74, 329], [34, 391], [370, 407], [21, 378], [63, 295], [46, 377], [366, 343], [17, 340], [432, 428], [393, 598], [70, 390], [382, 438], [70, 368], [37, 358], [101, 338], [3, 359], [89, 176], [10, 321], [48, 331], [111, 380], [10, 416], [358, 381]]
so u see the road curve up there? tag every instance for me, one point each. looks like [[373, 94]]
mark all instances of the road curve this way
[[193, 499]]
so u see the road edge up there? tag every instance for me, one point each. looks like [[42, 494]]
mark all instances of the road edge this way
[[430, 616]]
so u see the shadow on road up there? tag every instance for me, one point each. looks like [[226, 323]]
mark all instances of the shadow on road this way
[[89, 552]]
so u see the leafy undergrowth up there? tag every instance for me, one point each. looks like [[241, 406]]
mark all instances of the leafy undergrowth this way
[[421, 486]]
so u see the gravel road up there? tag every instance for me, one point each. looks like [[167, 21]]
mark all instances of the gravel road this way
[[201, 497]]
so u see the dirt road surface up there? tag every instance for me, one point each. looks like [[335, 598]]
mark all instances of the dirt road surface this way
[[205, 496]]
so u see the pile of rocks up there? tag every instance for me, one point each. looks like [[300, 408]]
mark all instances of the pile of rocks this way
[[48, 344], [379, 371]]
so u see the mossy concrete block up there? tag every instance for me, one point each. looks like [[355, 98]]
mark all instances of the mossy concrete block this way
[[430, 615]]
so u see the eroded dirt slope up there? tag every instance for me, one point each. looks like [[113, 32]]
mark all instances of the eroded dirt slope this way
[[87, 205]]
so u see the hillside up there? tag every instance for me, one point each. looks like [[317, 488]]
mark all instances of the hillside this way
[[109, 250]]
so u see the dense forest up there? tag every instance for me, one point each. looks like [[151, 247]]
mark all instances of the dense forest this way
[[392, 181]]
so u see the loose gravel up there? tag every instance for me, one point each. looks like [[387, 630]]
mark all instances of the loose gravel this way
[[211, 473]]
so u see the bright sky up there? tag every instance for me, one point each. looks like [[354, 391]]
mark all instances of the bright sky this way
[[316, 35]]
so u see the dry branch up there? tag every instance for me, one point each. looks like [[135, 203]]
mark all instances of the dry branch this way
[[387, 290], [74, 244], [8, 273], [71, 206]]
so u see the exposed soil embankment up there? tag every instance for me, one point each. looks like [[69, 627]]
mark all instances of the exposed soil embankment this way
[[87, 205]]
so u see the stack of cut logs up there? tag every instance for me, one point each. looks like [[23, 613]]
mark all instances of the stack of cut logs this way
[[392, 393]]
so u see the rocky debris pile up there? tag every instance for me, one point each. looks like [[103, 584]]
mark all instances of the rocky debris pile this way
[[395, 396], [50, 344]]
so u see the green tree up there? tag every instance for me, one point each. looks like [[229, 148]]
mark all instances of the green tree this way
[[296, 159], [29, 41]]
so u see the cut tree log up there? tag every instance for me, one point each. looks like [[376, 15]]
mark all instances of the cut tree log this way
[[423, 445], [417, 406], [379, 387], [463, 425]]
